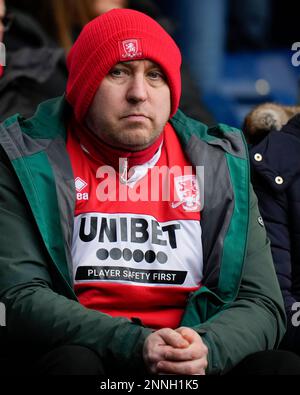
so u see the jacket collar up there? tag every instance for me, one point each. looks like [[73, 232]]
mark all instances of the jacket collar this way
[[52, 116], [293, 126]]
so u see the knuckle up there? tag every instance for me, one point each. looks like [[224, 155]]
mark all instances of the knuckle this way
[[169, 355], [194, 354], [167, 331], [150, 355], [182, 328]]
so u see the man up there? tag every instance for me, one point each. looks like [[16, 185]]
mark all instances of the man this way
[[95, 280]]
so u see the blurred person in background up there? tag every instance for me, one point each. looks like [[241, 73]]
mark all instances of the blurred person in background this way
[[256, 33], [2, 15], [273, 133], [102, 6], [35, 66], [62, 20], [2, 27]]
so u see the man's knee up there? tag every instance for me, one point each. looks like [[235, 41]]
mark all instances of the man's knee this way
[[70, 360]]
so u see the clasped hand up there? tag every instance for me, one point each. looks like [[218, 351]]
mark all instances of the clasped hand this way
[[180, 352]]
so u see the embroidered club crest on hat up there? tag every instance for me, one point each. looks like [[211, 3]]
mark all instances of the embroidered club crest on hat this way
[[130, 49]]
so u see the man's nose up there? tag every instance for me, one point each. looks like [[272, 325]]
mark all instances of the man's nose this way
[[137, 89]]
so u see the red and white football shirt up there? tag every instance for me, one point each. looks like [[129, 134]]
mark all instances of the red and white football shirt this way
[[137, 248]]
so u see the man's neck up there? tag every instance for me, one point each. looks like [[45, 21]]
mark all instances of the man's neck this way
[[100, 151]]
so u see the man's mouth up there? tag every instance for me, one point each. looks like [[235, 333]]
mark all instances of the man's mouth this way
[[135, 117]]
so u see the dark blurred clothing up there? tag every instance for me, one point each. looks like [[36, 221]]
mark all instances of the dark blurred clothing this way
[[35, 68], [276, 180], [249, 25], [262, 24]]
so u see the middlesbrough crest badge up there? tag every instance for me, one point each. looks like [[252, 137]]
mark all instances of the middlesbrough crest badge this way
[[131, 48], [188, 193]]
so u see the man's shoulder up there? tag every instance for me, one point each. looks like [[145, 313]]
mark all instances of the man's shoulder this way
[[20, 137], [223, 136], [47, 122]]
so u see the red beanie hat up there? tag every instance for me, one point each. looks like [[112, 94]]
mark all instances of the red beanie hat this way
[[119, 35]]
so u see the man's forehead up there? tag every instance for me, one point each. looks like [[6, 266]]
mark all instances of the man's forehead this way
[[136, 63]]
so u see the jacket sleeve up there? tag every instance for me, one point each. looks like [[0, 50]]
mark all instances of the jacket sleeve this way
[[36, 316], [255, 320]]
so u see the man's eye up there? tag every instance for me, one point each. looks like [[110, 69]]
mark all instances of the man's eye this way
[[117, 72], [156, 75]]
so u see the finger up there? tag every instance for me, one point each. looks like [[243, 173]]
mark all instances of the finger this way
[[196, 367], [157, 353], [156, 346], [193, 337], [189, 334], [154, 355], [193, 352], [173, 338]]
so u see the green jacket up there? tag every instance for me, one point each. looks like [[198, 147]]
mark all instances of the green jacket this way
[[238, 311]]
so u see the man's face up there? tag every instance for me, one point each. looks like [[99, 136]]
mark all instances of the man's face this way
[[2, 13], [131, 106]]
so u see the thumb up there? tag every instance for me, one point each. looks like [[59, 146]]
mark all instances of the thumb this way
[[187, 333]]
